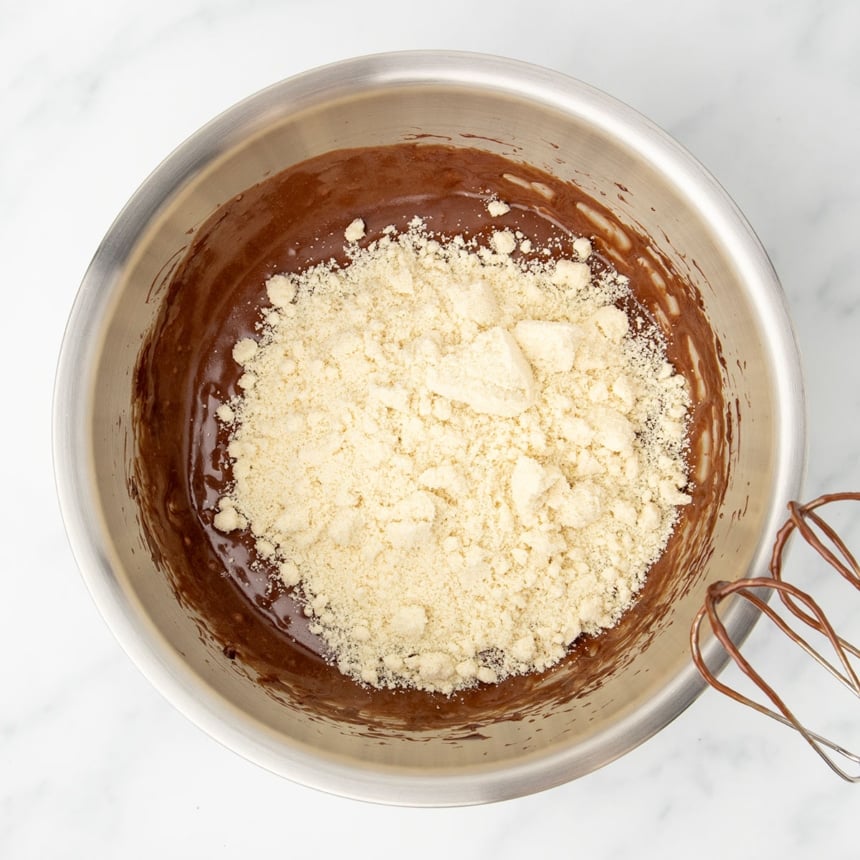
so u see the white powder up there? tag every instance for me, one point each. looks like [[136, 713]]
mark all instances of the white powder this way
[[462, 463], [496, 208], [354, 231]]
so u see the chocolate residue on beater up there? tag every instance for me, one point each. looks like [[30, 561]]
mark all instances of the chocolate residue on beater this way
[[295, 220], [824, 539]]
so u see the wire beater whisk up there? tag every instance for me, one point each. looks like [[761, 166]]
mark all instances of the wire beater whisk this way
[[820, 535]]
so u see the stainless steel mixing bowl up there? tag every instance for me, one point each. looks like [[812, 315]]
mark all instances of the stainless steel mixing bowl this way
[[511, 108]]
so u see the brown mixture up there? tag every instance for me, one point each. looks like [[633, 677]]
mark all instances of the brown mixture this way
[[187, 371]]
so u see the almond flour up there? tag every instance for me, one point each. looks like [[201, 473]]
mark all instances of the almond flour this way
[[460, 461]]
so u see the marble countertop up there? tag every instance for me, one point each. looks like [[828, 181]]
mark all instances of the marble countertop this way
[[93, 762]]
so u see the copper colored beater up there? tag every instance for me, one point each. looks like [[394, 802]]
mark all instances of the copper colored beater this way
[[806, 520]]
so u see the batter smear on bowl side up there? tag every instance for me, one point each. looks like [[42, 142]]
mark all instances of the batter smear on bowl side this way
[[460, 455]]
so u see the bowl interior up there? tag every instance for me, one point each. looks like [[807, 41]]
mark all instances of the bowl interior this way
[[746, 448]]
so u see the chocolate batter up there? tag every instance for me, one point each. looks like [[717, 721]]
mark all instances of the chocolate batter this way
[[185, 371]]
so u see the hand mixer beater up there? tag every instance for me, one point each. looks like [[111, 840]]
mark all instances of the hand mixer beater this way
[[803, 612]]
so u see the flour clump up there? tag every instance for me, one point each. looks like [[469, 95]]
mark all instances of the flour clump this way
[[460, 460]]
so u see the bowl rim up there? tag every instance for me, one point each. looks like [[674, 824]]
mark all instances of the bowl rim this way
[[71, 422]]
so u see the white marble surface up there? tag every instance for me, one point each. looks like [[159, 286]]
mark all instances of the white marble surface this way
[[93, 762]]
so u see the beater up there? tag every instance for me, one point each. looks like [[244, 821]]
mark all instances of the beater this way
[[805, 520]]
